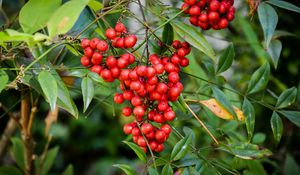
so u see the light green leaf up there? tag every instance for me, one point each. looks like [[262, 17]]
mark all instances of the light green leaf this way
[[268, 19], [35, 14], [274, 51], [49, 87], [259, 79], [87, 88], [290, 166], [259, 138], [127, 169], [3, 79], [18, 152], [194, 37], [181, 148], [138, 151], [152, 171], [226, 59], [95, 5], [284, 5], [249, 113], [168, 34], [69, 170], [49, 160], [9, 170], [286, 98], [65, 17], [293, 116], [277, 127], [167, 170]]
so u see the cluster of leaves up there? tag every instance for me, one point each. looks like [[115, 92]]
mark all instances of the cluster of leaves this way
[[50, 32]]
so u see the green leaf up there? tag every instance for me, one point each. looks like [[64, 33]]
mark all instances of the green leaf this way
[[167, 170], [290, 166], [249, 113], [277, 127], [9, 170], [285, 5], [256, 167], [194, 37], [95, 5], [127, 169], [226, 59], [69, 170], [18, 152], [49, 160], [223, 100], [181, 148], [259, 138], [65, 17], [286, 98], [293, 116], [268, 19], [259, 79], [35, 14], [87, 88], [168, 34], [138, 151], [49, 87], [152, 171], [3, 79], [274, 51], [246, 150]]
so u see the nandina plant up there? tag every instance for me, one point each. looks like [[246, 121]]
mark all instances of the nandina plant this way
[[181, 87]]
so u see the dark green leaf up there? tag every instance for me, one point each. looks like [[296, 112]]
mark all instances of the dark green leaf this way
[[277, 127], [290, 166], [69, 170], [3, 79], [87, 88], [293, 116], [9, 170], [181, 148], [284, 5], [95, 5], [268, 19], [167, 170], [249, 113], [223, 100], [127, 169], [286, 98], [35, 14], [274, 51], [194, 37], [138, 151], [259, 79], [49, 160], [226, 59], [152, 171], [49, 87], [65, 17], [18, 152], [256, 167], [168, 34]]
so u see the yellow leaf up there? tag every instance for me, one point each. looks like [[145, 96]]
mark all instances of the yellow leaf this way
[[215, 107]]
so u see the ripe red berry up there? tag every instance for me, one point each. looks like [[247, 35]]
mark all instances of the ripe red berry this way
[[158, 118], [161, 88], [190, 2], [102, 46], [118, 98], [153, 145], [136, 101], [136, 131], [194, 10], [120, 27], [150, 72], [85, 43], [119, 43], [166, 128], [139, 111], [169, 115], [129, 41], [153, 80], [194, 20], [175, 59], [122, 63], [127, 129], [159, 148], [146, 128], [159, 68], [124, 74], [126, 111], [115, 72], [88, 51], [185, 7], [162, 105], [94, 42], [96, 58], [173, 77], [202, 17], [110, 33], [106, 74], [214, 5], [141, 70], [111, 61], [141, 141], [85, 61], [223, 23], [135, 85], [184, 62], [97, 69], [169, 67], [128, 94], [213, 16], [160, 135]]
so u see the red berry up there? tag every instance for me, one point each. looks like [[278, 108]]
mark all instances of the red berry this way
[[141, 70], [159, 68], [85, 61], [88, 51], [141, 142], [184, 62], [158, 118], [202, 17], [128, 94], [115, 72], [85, 43], [153, 145], [202, 3], [127, 129], [106, 74], [214, 5], [194, 10], [190, 2], [122, 63], [146, 128], [162, 105], [136, 101], [139, 111], [213, 16], [135, 85], [194, 20], [223, 23], [150, 72], [102, 46], [169, 67], [110, 33], [96, 58], [175, 59], [124, 74], [169, 115], [126, 111], [97, 69], [119, 43], [166, 128], [94, 42], [160, 135], [153, 80], [120, 27], [136, 131], [151, 135], [129, 41], [173, 77], [161, 88], [111, 61], [174, 92], [230, 16], [185, 7], [118, 98], [159, 148], [176, 44]]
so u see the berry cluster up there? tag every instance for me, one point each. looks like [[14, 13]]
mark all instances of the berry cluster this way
[[108, 68], [209, 14]]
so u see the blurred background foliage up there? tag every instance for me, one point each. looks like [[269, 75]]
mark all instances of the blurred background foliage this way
[[93, 143]]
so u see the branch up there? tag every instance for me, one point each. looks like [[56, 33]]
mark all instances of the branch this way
[[8, 132]]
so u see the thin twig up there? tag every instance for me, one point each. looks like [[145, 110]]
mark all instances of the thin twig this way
[[146, 30]]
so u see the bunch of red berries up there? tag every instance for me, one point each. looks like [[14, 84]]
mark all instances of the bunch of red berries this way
[[95, 50], [208, 14]]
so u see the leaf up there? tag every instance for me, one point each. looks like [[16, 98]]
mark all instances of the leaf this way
[[259, 79], [290, 166], [215, 107], [9, 170], [226, 59], [277, 127], [167, 170], [293, 116], [87, 88], [65, 17], [95, 5], [286, 98], [246, 150], [18, 152], [127, 169], [268, 19], [168, 34], [274, 51], [138, 151], [256, 167], [222, 99], [49, 87], [152, 171], [35, 14], [69, 170], [284, 5], [195, 38], [181, 148], [3, 79], [249, 112], [259, 138], [49, 160]]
